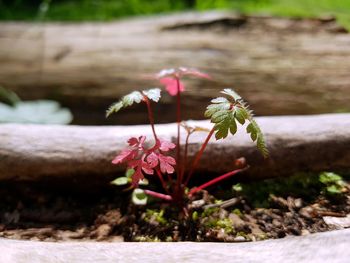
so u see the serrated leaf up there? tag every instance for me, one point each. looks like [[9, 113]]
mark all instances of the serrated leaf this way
[[232, 94], [220, 116], [212, 108], [221, 131], [114, 108], [256, 135], [233, 126], [127, 100], [139, 197], [152, 94], [133, 97], [120, 181], [219, 100], [241, 115]]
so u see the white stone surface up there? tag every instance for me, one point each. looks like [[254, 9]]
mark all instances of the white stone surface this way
[[330, 247], [296, 143]]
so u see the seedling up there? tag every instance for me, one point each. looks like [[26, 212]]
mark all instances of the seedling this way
[[152, 157]]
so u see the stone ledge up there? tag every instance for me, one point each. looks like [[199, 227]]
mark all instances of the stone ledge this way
[[321, 247], [296, 143]]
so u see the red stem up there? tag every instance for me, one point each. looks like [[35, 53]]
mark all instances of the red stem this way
[[162, 180], [178, 120], [216, 180], [150, 117], [158, 195], [199, 155]]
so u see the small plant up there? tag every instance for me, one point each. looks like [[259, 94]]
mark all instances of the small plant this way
[[14, 110], [152, 157], [333, 183]]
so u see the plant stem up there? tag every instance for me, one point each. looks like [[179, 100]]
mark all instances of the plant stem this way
[[158, 195], [216, 180], [150, 117], [162, 180], [178, 120], [182, 172], [199, 155]]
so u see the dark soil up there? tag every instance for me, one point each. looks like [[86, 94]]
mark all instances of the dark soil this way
[[260, 211]]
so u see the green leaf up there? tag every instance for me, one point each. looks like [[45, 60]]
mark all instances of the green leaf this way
[[139, 197], [129, 172], [232, 94], [237, 187], [224, 112], [329, 178], [120, 181], [219, 116], [256, 135], [8, 97], [114, 108], [233, 126], [133, 97], [219, 100], [222, 128], [38, 112], [241, 115], [212, 108], [152, 94], [334, 189]]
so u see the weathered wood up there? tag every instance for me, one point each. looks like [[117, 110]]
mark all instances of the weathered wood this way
[[330, 246], [298, 143], [282, 66]]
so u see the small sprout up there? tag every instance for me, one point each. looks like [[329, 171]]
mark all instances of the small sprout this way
[[120, 181], [154, 158], [334, 183], [139, 197], [134, 97], [195, 216], [237, 187]]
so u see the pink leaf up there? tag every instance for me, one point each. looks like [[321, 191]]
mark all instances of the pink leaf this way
[[166, 146], [125, 155], [194, 72], [147, 168], [166, 163], [152, 160], [133, 141], [171, 86]]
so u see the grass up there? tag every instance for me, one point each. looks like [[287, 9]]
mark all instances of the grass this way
[[106, 10]]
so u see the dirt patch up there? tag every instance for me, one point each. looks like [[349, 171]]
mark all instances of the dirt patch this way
[[260, 211]]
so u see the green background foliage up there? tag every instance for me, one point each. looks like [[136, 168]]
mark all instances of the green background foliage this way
[[104, 10]]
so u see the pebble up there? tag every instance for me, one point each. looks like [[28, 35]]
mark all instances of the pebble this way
[[239, 239]]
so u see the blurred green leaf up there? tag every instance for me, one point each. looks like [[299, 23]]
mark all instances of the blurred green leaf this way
[[37, 112]]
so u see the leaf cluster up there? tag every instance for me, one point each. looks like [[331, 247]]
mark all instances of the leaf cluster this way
[[225, 112], [134, 97], [333, 183]]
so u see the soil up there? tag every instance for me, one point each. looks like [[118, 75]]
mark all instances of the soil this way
[[269, 209]]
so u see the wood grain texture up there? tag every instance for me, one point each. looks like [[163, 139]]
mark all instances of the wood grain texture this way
[[282, 66]]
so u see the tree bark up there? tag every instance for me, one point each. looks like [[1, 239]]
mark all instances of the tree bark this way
[[296, 143], [282, 66]]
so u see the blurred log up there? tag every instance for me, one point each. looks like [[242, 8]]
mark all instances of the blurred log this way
[[282, 66], [296, 143]]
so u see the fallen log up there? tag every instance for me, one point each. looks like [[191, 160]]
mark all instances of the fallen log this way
[[296, 143], [281, 66]]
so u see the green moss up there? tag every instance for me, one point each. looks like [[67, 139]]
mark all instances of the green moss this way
[[155, 216]]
